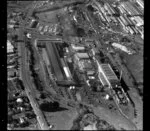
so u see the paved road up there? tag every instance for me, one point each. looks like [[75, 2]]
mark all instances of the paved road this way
[[29, 86]]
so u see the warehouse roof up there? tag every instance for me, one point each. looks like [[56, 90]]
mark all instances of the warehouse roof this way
[[82, 55], [109, 73]]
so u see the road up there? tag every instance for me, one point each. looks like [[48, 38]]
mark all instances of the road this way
[[29, 87]]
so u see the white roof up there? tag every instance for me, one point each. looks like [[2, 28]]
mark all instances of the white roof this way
[[123, 48], [90, 127], [77, 47], [10, 26], [9, 46], [108, 71], [82, 55], [19, 100]]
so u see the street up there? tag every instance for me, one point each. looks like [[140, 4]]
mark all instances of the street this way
[[29, 86]]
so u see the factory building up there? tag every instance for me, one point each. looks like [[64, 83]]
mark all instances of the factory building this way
[[66, 69], [106, 74]]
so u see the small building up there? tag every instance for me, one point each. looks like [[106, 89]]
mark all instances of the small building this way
[[33, 23], [46, 28], [11, 74], [19, 100], [77, 47], [10, 48], [90, 72], [122, 47]]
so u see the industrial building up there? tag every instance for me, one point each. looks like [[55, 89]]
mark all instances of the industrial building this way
[[106, 74], [122, 47], [109, 73], [66, 69], [85, 65], [79, 56], [55, 60]]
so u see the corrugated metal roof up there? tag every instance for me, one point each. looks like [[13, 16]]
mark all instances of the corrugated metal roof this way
[[108, 72], [82, 55], [103, 80]]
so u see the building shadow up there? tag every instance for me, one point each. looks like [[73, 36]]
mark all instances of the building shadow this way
[[51, 107]]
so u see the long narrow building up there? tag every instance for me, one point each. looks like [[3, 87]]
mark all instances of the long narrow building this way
[[106, 74], [53, 58]]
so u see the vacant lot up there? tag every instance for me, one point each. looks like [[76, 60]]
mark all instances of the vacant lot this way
[[135, 65]]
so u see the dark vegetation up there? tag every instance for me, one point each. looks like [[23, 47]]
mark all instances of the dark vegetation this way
[[19, 84], [80, 32], [35, 76], [51, 107], [90, 8], [103, 125]]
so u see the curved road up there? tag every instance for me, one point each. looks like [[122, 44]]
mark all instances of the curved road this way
[[29, 86]]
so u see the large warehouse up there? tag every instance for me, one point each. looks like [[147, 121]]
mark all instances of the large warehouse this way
[[106, 74]]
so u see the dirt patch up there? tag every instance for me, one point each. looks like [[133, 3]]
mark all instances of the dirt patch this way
[[135, 65]]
